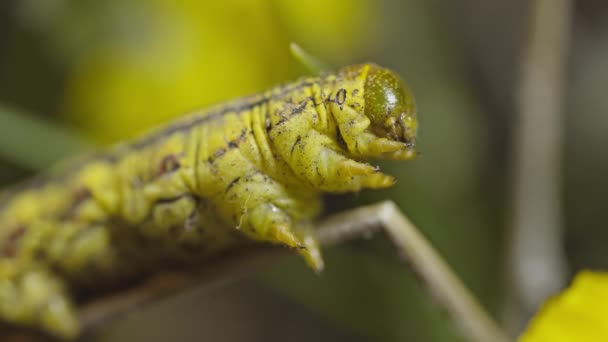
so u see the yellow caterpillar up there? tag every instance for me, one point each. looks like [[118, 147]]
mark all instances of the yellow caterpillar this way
[[248, 170]]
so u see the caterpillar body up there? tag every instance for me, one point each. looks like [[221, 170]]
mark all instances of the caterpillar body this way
[[248, 170]]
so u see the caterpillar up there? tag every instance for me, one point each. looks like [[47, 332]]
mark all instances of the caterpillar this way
[[247, 171]]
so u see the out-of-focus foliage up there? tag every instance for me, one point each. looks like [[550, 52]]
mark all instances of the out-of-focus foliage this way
[[577, 314], [25, 152]]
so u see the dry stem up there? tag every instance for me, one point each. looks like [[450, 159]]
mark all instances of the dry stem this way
[[444, 286]]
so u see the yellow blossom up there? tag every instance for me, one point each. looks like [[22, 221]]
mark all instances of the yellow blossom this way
[[580, 313]]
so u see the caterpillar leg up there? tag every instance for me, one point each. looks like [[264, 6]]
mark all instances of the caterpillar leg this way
[[317, 160], [265, 211], [362, 143], [36, 298], [88, 257], [268, 223]]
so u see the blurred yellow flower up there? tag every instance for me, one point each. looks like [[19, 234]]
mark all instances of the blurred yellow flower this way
[[164, 58], [335, 28], [580, 313], [181, 55]]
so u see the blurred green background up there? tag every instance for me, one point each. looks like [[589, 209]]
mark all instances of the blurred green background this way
[[104, 71]]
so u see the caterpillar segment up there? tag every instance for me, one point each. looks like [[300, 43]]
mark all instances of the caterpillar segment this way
[[247, 171]]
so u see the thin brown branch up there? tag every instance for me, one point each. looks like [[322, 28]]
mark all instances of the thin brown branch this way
[[444, 286], [436, 276]]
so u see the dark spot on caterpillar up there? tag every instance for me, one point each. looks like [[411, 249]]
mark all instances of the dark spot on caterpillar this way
[[279, 130], [299, 109], [232, 183], [295, 111], [298, 140], [10, 245], [355, 92], [341, 96], [340, 140], [172, 199], [242, 135], [213, 167], [80, 196], [218, 153], [235, 143], [252, 175], [169, 164]]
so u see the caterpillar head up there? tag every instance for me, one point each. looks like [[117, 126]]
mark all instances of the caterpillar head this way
[[390, 107]]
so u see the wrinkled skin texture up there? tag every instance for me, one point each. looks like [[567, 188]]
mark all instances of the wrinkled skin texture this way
[[249, 170]]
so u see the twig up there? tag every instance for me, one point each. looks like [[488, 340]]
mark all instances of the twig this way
[[474, 322], [444, 286], [311, 63], [535, 257]]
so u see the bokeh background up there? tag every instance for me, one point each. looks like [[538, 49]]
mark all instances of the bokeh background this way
[[78, 74]]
